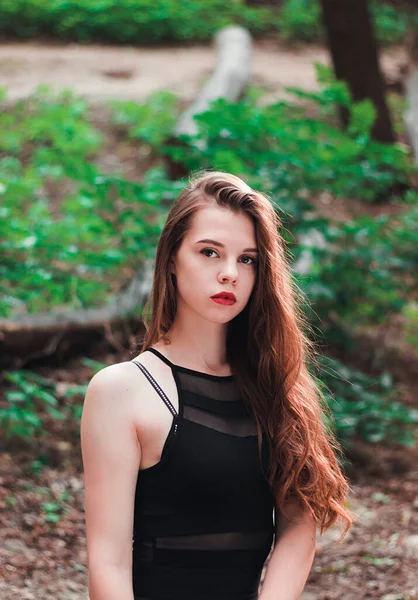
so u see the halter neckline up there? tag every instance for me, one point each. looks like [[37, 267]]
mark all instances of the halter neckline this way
[[187, 370]]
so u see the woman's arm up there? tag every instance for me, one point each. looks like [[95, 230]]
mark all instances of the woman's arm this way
[[292, 556], [111, 457]]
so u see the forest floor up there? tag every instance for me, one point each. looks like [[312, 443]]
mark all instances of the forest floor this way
[[106, 72], [45, 560]]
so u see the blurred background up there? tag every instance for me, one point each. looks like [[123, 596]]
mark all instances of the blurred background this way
[[106, 107]]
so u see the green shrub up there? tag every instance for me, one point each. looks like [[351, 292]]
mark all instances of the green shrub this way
[[66, 228], [129, 21], [357, 270], [143, 22], [74, 256], [391, 24], [151, 122], [366, 407], [410, 312], [294, 152], [31, 399], [301, 21]]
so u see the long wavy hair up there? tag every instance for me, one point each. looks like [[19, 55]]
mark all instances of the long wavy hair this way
[[268, 350]]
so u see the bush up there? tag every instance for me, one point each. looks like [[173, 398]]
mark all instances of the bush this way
[[142, 22], [67, 228], [299, 149], [357, 271], [29, 396], [300, 21], [366, 407], [391, 24], [31, 399], [129, 21], [75, 256]]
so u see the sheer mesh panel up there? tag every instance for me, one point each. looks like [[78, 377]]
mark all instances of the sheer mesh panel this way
[[237, 426], [212, 542], [215, 541], [216, 403], [224, 389]]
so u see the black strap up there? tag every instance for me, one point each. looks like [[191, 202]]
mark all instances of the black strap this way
[[157, 388], [161, 356]]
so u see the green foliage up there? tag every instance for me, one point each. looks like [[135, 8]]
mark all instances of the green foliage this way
[[31, 127], [150, 122], [129, 21], [70, 251], [158, 21], [410, 311], [366, 407], [31, 399], [296, 151], [66, 228], [355, 269], [301, 21], [52, 511], [29, 396], [391, 24]]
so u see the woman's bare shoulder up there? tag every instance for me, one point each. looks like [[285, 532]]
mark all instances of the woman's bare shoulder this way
[[125, 383], [116, 378], [123, 375]]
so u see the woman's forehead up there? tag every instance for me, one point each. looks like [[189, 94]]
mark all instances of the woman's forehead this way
[[215, 222]]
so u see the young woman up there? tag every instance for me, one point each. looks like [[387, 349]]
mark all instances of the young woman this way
[[208, 450]]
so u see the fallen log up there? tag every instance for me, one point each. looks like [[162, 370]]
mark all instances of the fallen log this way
[[228, 81], [30, 337]]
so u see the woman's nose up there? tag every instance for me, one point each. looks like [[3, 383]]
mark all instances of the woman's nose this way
[[229, 272]]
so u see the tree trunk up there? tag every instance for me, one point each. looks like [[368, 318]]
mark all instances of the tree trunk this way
[[354, 55]]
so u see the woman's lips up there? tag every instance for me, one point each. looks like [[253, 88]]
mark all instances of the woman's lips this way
[[223, 300]]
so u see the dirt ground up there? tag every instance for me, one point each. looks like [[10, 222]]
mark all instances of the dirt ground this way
[[46, 560], [102, 72]]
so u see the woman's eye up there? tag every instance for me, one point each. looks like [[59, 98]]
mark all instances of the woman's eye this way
[[247, 260], [207, 250], [253, 261]]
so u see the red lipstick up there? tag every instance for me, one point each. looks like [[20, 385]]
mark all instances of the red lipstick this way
[[227, 298]]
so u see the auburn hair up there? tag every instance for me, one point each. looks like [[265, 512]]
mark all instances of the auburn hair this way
[[268, 350]]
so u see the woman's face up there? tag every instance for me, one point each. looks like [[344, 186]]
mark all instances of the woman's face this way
[[218, 254]]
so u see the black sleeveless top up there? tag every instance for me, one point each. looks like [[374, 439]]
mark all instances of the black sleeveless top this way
[[203, 517]]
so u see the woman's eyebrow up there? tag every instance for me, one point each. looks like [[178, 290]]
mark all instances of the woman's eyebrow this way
[[215, 243]]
